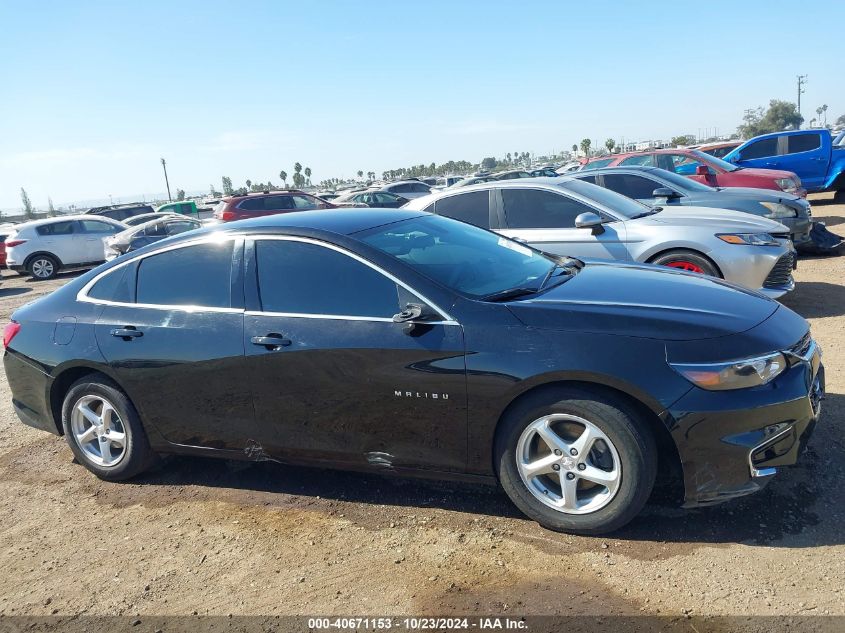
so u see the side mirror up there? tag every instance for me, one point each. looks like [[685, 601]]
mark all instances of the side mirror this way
[[702, 170], [664, 192], [590, 220]]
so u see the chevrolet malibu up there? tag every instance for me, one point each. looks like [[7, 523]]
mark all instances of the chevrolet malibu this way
[[407, 343]]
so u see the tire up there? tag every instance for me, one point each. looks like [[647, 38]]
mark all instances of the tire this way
[[689, 261], [625, 439], [43, 267], [110, 459]]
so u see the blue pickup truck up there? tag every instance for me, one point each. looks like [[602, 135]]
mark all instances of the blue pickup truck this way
[[812, 154]]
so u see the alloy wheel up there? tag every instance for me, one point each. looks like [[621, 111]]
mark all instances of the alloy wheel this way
[[42, 268], [99, 431], [568, 463]]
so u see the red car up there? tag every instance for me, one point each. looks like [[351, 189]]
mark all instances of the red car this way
[[706, 169], [255, 205]]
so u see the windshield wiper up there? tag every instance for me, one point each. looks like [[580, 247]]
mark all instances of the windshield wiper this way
[[510, 293], [644, 214]]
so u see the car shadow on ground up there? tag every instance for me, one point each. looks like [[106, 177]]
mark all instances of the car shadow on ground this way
[[784, 513], [831, 220], [11, 292], [816, 299]]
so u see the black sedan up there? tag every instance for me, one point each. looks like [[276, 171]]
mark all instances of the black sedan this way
[[403, 342], [370, 198], [654, 186]]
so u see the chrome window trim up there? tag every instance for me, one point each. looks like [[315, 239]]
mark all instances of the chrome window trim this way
[[341, 317], [82, 295], [446, 318]]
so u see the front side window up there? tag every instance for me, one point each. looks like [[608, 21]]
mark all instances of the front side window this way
[[540, 209], [472, 207], [760, 149], [645, 160], [803, 142], [635, 187], [460, 256], [198, 275], [95, 226], [305, 278]]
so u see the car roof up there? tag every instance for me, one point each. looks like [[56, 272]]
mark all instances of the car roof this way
[[259, 194], [580, 175], [340, 221], [65, 218]]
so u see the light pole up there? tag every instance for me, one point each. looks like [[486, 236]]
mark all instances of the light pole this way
[[802, 79], [166, 182]]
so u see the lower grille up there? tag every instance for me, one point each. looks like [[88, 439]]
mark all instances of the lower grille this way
[[781, 274]]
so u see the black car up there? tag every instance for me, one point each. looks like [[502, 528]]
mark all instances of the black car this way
[[402, 342], [655, 186], [371, 198], [120, 212]]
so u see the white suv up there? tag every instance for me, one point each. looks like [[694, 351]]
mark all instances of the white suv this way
[[44, 247]]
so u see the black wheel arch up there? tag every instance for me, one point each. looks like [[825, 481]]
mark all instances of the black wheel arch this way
[[29, 258]]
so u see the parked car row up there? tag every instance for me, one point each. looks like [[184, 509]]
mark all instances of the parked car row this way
[[406, 342]]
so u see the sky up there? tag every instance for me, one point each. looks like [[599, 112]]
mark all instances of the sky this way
[[93, 94]]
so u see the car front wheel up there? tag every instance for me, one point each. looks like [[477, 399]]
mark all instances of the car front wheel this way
[[104, 430], [43, 267], [576, 461]]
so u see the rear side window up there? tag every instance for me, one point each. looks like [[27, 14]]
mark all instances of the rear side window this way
[[57, 228], [95, 226], [803, 143], [304, 202], [113, 287], [597, 164], [635, 187], [277, 203], [195, 275], [538, 209], [303, 278], [180, 226], [760, 149], [472, 208]]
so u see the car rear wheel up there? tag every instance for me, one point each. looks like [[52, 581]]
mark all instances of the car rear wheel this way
[[689, 261], [43, 267], [104, 430], [576, 461]]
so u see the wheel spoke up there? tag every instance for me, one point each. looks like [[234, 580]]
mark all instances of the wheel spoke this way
[[85, 437], [92, 417], [599, 476], [540, 466], [105, 452], [116, 437], [106, 415], [569, 492], [585, 441], [552, 440]]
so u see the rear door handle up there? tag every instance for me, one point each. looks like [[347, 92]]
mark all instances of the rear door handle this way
[[126, 333], [271, 341]]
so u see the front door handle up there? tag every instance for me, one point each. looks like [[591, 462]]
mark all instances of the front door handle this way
[[127, 333], [271, 341]]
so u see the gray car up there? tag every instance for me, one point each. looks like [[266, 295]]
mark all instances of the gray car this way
[[570, 217], [658, 187]]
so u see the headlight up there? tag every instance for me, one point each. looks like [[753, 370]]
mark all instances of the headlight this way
[[779, 210], [786, 184], [749, 239], [738, 374]]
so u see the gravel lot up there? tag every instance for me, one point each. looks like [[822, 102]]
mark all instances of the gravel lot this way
[[221, 538]]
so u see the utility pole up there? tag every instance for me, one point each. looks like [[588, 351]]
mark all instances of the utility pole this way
[[164, 167], [802, 79]]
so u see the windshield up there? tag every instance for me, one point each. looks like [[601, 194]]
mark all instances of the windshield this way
[[465, 258], [709, 159], [616, 202]]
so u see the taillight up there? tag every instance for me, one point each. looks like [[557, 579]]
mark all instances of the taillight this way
[[228, 216], [14, 243], [10, 331]]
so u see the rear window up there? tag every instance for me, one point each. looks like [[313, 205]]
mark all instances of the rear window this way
[[57, 228]]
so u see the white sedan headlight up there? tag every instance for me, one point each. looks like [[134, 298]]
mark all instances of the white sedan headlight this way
[[779, 210], [737, 374], [749, 239]]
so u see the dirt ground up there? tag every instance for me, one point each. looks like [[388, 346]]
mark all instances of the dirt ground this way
[[212, 537]]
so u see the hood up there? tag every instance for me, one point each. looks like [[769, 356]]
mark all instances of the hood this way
[[760, 195], [768, 174], [719, 220], [645, 301]]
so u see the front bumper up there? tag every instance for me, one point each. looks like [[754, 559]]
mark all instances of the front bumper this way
[[731, 443], [766, 269]]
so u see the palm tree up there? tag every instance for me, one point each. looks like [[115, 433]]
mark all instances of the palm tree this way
[[360, 173], [819, 111], [824, 111], [308, 174], [248, 184], [585, 146], [284, 176], [610, 144]]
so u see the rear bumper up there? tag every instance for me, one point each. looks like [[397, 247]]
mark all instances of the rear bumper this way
[[732, 443], [30, 388]]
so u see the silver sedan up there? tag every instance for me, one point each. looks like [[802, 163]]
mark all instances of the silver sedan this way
[[566, 216]]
